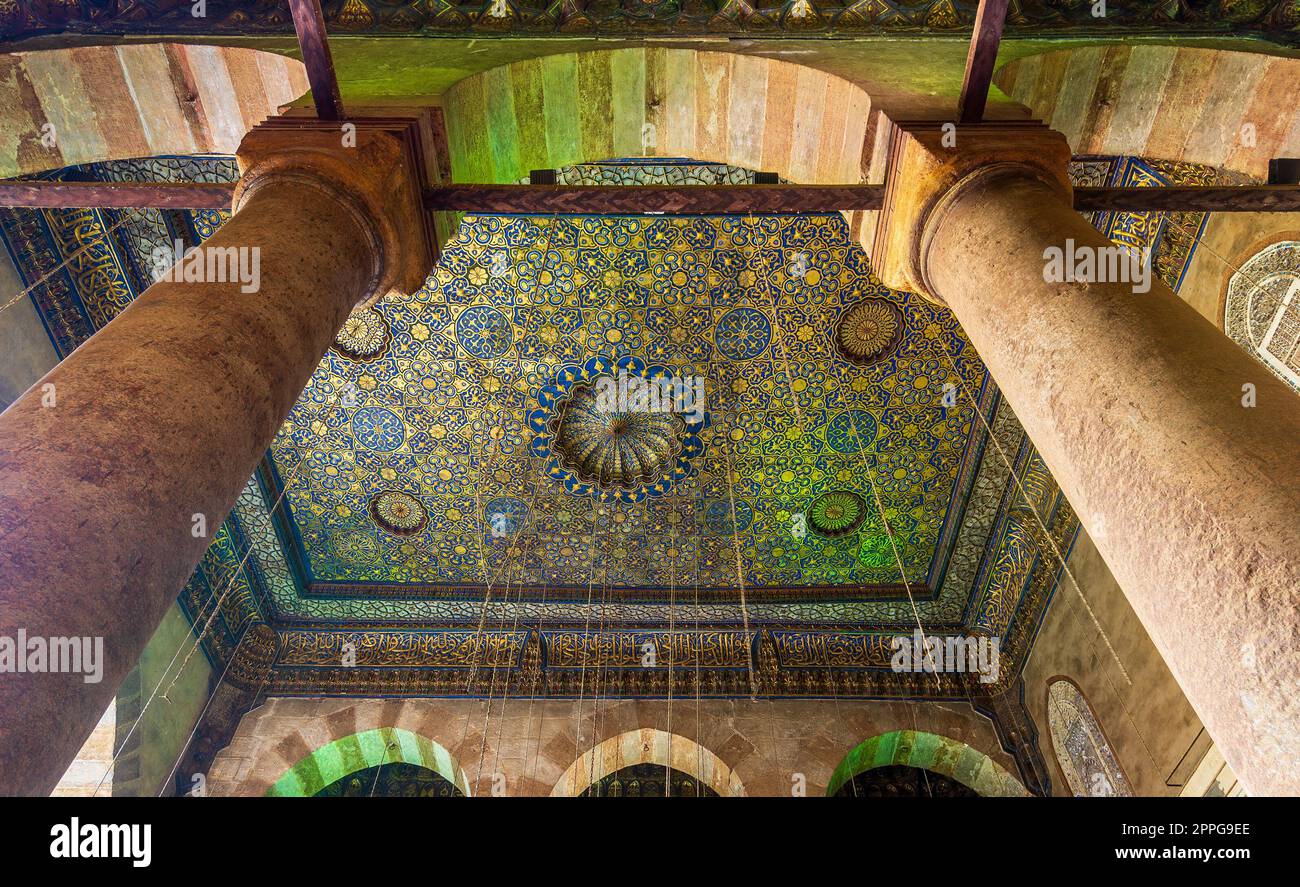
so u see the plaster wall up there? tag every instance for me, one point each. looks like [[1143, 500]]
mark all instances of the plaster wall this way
[[1153, 731]]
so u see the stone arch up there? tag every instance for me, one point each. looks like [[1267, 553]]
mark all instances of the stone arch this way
[[1165, 102], [68, 106], [360, 751], [928, 751], [648, 746], [746, 111]]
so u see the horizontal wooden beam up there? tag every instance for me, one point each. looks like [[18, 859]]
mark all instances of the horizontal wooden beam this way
[[767, 199], [115, 195], [1191, 198], [670, 199], [640, 199]]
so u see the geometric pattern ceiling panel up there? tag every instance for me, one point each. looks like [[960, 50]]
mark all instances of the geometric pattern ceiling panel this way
[[821, 388]]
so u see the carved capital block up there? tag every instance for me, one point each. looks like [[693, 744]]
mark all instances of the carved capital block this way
[[930, 164], [377, 166]]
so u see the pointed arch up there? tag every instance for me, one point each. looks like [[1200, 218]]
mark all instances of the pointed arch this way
[[361, 751], [928, 751], [648, 746]]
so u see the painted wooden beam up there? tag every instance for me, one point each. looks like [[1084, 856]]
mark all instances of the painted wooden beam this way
[[980, 59], [309, 22], [116, 195], [1191, 198], [637, 199], [767, 199]]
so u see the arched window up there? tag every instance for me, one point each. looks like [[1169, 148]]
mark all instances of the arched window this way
[[902, 781], [1261, 311], [648, 781], [396, 780], [1082, 750]]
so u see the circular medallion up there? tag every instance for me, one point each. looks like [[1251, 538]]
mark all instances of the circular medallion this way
[[364, 335], [505, 516], [399, 513], [742, 334], [876, 553], [869, 331], [603, 433], [612, 448], [837, 513], [355, 547], [483, 332], [717, 517], [377, 428], [850, 431]]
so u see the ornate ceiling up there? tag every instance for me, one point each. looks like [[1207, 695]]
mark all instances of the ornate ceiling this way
[[1276, 19], [452, 508]]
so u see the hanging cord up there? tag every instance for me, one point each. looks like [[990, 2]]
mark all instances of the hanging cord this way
[[672, 656], [599, 652], [699, 638], [515, 566], [602, 668], [199, 720], [532, 689], [1029, 501], [832, 678], [586, 634], [519, 561], [1064, 567], [508, 569]]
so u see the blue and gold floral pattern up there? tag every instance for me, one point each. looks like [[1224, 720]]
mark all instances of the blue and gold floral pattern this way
[[458, 410], [743, 333]]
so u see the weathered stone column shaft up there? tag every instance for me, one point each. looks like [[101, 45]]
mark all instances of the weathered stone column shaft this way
[[1136, 403], [161, 416]]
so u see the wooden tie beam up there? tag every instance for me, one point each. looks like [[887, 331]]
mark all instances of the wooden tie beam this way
[[671, 199], [592, 200], [115, 195]]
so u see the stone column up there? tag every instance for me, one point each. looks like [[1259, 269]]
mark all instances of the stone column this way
[[1188, 482], [110, 459]]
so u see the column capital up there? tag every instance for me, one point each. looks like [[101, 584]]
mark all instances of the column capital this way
[[930, 163], [376, 166]]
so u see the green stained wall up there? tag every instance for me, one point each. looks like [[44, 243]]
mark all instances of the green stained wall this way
[[145, 760], [23, 341]]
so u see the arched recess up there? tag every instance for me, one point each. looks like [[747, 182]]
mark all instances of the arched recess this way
[[1260, 303], [1083, 752], [60, 107], [746, 111], [929, 751], [1217, 107], [361, 751], [648, 746]]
